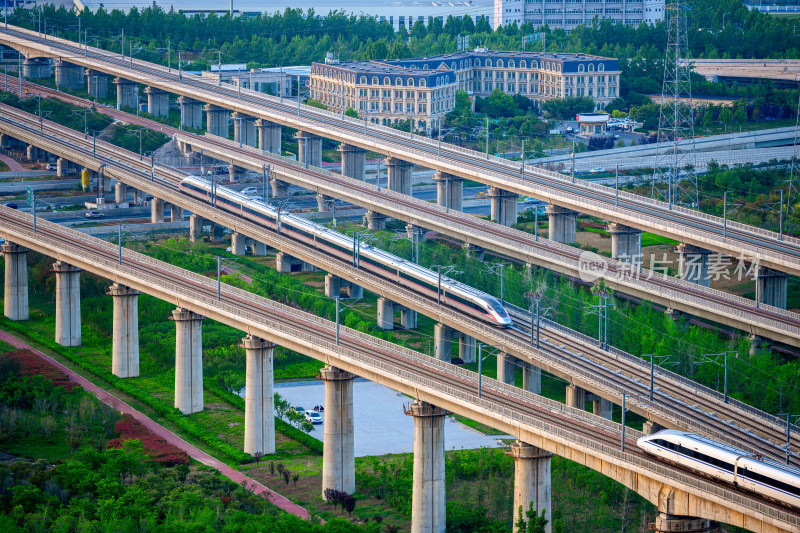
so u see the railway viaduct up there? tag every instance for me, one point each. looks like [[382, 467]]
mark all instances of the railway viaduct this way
[[542, 427]]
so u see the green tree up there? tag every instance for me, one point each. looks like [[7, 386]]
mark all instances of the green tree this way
[[499, 104], [531, 522], [725, 115], [350, 112]]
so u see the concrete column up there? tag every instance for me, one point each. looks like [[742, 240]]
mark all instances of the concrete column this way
[[120, 192], [474, 251], [531, 481], [399, 175], [532, 378], [191, 112], [98, 83], [156, 210], [385, 313], [693, 264], [259, 249], [280, 189], [576, 397], [449, 191], [422, 233], [33, 153], [62, 166], [244, 129], [428, 493], [309, 149], [354, 161], [37, 68], [238, 246], [333, 286], [188, 361], [503, 205], [285, 263], [467, 348], [408, 318], [15, 302], [602, 407], [269, 136], [506, 368], [68, 304], [650, 427], [259, 405], [125, 332], [68, 75], [667, 523], [157, 102], [217, 233], [772, 287], [127, 93], [626, 243], [561, 222], [338, 454], [442, 339], [356, 291], [195, 227], [175, 213], [757, 342], [375, 220], [217, 120], [322, 203]]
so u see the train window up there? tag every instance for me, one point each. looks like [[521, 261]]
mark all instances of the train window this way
[[499, 308]]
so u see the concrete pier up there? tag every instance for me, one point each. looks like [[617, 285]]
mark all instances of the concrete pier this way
[[421, 233], [385, 313], [238, 246], [69, 76], [98, 83], [667, 523], [408, 318], [175, 213], [449, 191], [68, 304], [157, 102], [650, 427], [561, 222], [428, 494], [338, 454], [269, 136], [626, 243], [472, 250], [191, 112], [236, 173], [195, 227], [62, 167], [399, 175], [506, 368], [442, 342], [375, 220], [602, 407], [259, 404], [217, 233], [285, 263], [532, 378], [37, 68], [576, 397], [127, 93], [693, 264], [531, 481], [188, 361], [244, 129], [309, 149], [334, 286], [33, 153], [125, 331], [467, 348], [15, 302], [120, 192], [503, 206], [259, 249], [156, 211], [772, 287], [279, 189], [217, 120], [353, 161]]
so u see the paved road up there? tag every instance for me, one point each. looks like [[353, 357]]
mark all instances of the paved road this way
[[12, 163], [199, 455]]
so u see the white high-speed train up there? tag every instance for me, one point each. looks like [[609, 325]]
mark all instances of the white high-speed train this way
[[379, 262], [757, 474]]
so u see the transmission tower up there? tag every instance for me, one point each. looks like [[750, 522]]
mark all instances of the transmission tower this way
[[674, 180]]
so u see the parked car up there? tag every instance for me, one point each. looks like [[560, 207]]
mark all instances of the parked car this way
[[249, 191], [94, 214], [11, 205], [299, 410], [314, 417], [570, 129], [597, 170], [52, 167]]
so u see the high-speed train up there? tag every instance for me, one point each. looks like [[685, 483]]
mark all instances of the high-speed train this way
[[757, 474], [379, 262]]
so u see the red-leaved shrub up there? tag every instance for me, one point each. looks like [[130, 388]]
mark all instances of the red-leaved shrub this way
[[160, 450], [33, 365]]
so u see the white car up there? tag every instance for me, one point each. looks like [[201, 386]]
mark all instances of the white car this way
[[249, 191], [52, 167], [597, 170], [314, 417], [299, 410], [94, 214]]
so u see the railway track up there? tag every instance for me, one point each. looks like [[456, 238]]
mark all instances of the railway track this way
[[626, 208], [583, 356], [393, 360]]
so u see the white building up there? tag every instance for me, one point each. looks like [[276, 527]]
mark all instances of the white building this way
[[567, 14]]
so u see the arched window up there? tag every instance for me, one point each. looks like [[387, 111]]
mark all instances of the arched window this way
[[534, 64], [523, 64], [363, 80], [410, 82], [601, 67], [477, 62], [500, 63], [580, 68], [387, 81], [461, 64], [511, 64], [488, 62], [425, 66], [591, 68], [558, 67], [398, 81], [422, 83], [374, 80]]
